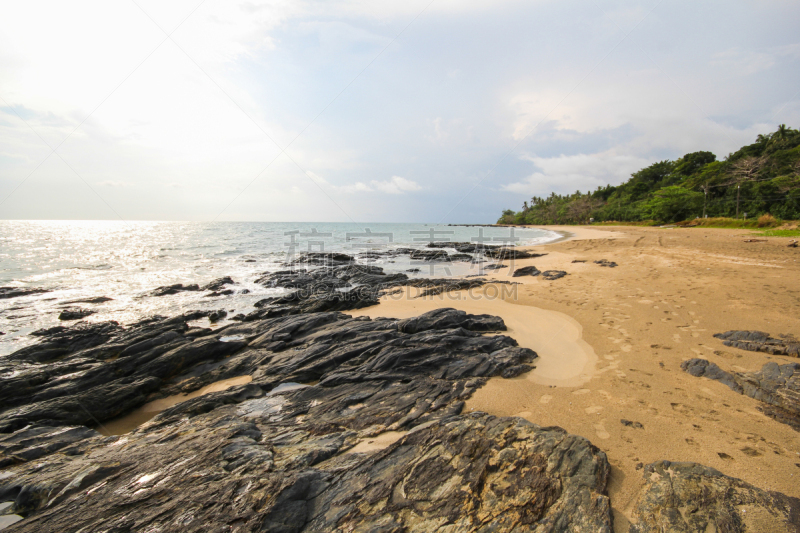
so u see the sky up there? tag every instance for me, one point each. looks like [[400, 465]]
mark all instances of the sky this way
[[436, 111]]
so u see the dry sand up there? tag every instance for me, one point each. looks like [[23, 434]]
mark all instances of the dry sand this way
[[611, 341]]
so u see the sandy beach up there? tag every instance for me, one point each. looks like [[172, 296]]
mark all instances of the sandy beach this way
[[611, 341]]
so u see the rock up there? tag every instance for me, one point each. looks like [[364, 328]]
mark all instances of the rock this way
[[450, 318], [324, 259], [16, 292], [95, 300], [692, 497], [217, 284], [605, 263], [503, 252], [778, 386], [430, 255], [216, 316], [173, 289], [413, 270], [266, 457], [75, 314], [497, 266], [553, 274], [758, 341], [630, 424], [526, 271], [90, 373], [33, 442]]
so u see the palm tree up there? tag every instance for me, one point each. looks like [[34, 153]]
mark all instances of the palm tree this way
[[782, 131]]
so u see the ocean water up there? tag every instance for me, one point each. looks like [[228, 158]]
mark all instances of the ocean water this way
[[125, 260]]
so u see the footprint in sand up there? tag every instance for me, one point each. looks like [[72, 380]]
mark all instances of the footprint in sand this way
[[600, 429], [626, 347], [581, 391], [545, 399], [594, 409]]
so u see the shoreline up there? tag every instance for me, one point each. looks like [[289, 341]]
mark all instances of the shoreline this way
[[643, 319], [613, 337]]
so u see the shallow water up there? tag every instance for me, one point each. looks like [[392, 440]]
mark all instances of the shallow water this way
[[124, 260], [137, 417]]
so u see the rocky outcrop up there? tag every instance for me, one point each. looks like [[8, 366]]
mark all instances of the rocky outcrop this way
[[16, 292], [526, 271], [167, 290], [605, 263], [218, 284], [758, 341], [323, 259], [503, 252], [271, 457], [778, 386], [75, 314], [553, 274], [94, 300], [688, 497]]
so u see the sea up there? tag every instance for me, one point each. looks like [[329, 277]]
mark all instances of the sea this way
[[126, 260]]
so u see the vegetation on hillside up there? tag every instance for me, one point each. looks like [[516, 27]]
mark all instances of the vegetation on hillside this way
[[758, 179]]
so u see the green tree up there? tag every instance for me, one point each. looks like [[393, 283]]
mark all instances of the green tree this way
[[674, 203]]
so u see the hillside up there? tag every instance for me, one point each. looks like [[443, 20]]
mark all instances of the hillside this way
[[763, 177]]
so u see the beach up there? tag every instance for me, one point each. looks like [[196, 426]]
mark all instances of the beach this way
[[611, 342], [589, 393]]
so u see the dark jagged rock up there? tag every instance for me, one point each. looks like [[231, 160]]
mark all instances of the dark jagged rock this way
[[16, 292], [692, 497], [503, 252], [758, 341], [75, 314], [300, 302], [93, 372], [430, 255], [33, 442], [262, 457], [167, 290], [778, 386], [526, 271], [95, 300], [413, 270], [218, 284], [553, 274], [216, 316], [451, 318], [632, 424], [496, 266], [605, 263], [323, 259]]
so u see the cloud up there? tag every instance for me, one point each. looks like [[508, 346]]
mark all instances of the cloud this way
[[566, 174], [114, 183], [396, 185], [527, 97]]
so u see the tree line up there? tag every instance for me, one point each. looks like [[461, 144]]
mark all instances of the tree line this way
[[761, 178]]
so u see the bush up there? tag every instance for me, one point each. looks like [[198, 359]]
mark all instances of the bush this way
[[767, 221]]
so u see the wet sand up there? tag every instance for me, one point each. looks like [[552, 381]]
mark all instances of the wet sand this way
[[137, 417], [611, 341]]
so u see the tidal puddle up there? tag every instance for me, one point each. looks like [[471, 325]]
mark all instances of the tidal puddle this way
[[137, 417]]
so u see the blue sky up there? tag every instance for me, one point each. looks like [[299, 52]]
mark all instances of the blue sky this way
[[408, 111]]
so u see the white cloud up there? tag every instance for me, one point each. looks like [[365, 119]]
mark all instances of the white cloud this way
[[395, 185], [566, 174]]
